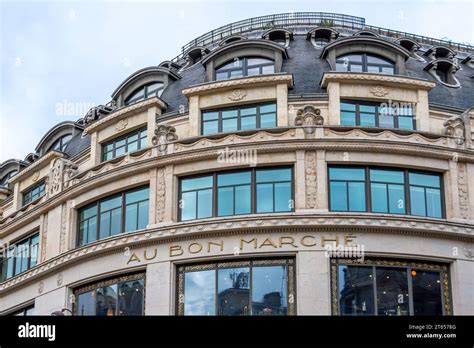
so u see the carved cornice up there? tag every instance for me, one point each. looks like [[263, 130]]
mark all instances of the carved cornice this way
[[37, 165], [203, 148], [378, 79], [264, 224], [241, 82], [124, 112]]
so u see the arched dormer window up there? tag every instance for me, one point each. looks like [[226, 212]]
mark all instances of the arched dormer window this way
[[244, 58], [437, 52], [364, 62], [153, 89], [366, 32], [320, 37], [411, 46], [245, 66], [4, 180], [366, 54], [231, 39], [61, 143], [280, 36]]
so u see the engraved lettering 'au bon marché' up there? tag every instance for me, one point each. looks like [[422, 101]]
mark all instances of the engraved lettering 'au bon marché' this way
[[244, 244]]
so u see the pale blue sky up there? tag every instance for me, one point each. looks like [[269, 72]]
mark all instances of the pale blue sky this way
[[58, 52]]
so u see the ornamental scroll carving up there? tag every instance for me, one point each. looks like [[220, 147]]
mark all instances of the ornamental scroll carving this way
[[310, 169], [160, 195], [44, 234], [463, 191], [61, 171], [309, 117], [379, 91], [237, 94], [163, 135], [455, 127]]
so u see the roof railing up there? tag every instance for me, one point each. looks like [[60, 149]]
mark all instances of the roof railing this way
[[302, 19]]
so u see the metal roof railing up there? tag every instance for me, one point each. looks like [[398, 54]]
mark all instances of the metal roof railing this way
[[311, 19]]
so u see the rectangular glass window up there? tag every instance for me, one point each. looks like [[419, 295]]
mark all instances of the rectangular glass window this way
[[389, 191], [19, 257], [121, 296], [239, 118], [237, 288], [347, 189], [369, 114], [33, 193], [386, 288], [240, 192], [124, 212], [130, 142]]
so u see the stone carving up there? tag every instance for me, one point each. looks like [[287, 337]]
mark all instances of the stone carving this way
[[60, 172], [44, 236], [163, 135], [160, 195], [309, 117], [62, 235], [237, 94], [379, 91], [468, 252], [455, 127], [310, 168], [121, 125], [40, 287], [463, 191], [35, 176], [59, 279]]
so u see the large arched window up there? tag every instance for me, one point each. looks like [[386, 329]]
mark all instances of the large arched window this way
[[246, 66], [144, 92], [61, 143], [363, 62]]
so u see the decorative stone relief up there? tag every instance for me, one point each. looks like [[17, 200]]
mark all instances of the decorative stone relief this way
[[309, 117], [310, 168], [121, 125], [163, 135], [40, 287], [455, 127], [44, 236], [237, 94], [160, 195], [463, 191], [379, 91], [60, 173], [35, 176], [62, 235], [59, 279]]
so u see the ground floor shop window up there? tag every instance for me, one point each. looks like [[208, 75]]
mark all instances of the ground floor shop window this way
[[389, 288], [257, 287], [118, 296]]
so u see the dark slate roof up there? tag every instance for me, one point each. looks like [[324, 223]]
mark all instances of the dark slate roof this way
[[77, 144]]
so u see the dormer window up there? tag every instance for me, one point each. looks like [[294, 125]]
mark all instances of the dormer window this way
[[443, 70], [4, 180], [247, 66], [151, 90], [363, 62], [61, 143], [320, 37], [280, 36]]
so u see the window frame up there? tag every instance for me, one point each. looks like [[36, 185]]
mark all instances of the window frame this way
[[60, 141], [244, 68], [407, 197], [258, 115], [126, 136], [141, 275], [146, 94], [374, 263], [30, 189], [14, 246], [253, 191], [289, 262], [365, 64], [377, 114], [97, 203]]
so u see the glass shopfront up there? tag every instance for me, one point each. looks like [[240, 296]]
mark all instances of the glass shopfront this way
[[118, 296], [258, 287], [389, 288]]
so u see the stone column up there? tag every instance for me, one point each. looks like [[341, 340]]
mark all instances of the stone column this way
[[159, 299], [300, 189], [321, 181], [334, 104], [282, 105], [422, 112], [462, 285], [194, 116]]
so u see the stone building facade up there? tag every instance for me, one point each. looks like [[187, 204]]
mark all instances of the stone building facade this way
[[293, 164]]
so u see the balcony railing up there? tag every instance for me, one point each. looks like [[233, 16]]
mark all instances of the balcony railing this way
[[307, 19]]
